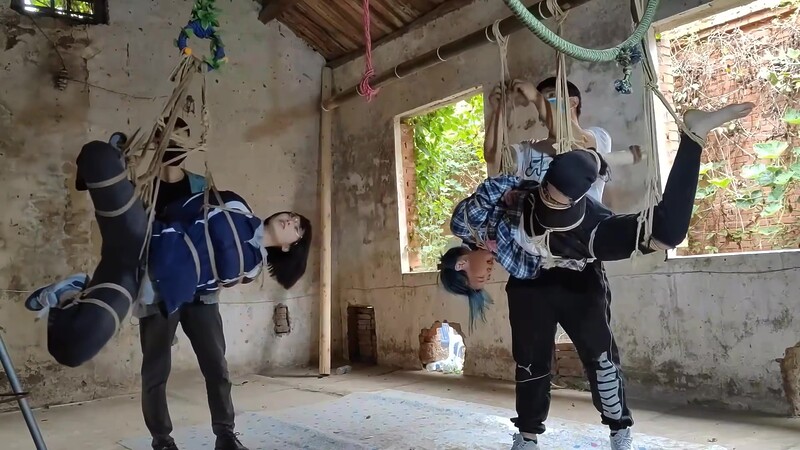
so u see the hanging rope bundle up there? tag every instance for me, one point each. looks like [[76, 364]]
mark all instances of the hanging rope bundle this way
[[587, 54], [565, 141], [653, 190], [364, 88], [144, 153], [508, 164]]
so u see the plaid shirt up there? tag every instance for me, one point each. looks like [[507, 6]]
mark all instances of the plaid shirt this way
[[486, 214]]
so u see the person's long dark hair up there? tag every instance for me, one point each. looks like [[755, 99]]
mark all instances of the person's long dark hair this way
[[456, 282], [288, 267]]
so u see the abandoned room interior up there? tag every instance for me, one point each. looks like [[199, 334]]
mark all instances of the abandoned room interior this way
[[344, 134]]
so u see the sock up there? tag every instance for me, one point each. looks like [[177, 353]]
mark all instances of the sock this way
[[529, 437]]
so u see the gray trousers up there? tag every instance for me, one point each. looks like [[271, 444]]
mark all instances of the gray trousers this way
[[202, 324]]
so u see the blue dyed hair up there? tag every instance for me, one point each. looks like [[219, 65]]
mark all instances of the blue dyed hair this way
[[456, 282]]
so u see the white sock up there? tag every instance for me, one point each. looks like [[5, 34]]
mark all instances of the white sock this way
[[702, 122], [529, 436]]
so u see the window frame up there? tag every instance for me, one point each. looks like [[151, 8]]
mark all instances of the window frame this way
[[99, 17], [405, 263]]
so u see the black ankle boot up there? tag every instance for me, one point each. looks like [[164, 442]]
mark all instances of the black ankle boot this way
[[229, 441], [165, 446]]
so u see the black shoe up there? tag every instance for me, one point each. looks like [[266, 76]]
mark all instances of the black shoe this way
[[165, 446], [118, 140], [228, 441]]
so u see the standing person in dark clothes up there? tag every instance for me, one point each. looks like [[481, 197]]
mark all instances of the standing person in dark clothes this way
[[200, 320]]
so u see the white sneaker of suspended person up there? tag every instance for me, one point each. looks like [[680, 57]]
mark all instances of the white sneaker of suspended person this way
[[52, 295], [621, 440], [520, 443]]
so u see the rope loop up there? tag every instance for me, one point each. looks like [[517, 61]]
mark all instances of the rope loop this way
[[623, 50], [364, 88]]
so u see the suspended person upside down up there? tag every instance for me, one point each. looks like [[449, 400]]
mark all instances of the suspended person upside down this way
[[189, 255], [552, 238]]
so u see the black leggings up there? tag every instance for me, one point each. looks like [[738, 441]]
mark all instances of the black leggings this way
[[615, 238], [77, 330]]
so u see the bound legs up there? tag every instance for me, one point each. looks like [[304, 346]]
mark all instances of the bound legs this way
[[81, 326]]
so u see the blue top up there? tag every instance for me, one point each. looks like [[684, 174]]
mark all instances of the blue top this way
[[180, 260]]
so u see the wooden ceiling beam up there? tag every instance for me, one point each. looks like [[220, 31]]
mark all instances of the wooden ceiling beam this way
[[444, 8], [272, 9], [450, 50]]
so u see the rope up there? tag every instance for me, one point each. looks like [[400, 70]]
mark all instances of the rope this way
[[576, 51], [564, 138], [653, 190], [147, 184], [364, 89], [508, 165]]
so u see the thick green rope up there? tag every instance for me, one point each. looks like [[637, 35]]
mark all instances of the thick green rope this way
[[576, 51]]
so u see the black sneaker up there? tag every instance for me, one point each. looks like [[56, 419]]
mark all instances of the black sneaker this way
[[228, 441], [165, 446]]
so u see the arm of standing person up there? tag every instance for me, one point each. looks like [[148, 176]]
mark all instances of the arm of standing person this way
[[491, 144], [599, 139], [526, 94]]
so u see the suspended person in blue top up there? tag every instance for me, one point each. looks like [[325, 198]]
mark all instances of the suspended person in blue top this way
[[190, 254], [542, 234]]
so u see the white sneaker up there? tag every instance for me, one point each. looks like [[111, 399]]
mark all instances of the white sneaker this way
[[622, 440], [521, 444], [52, 295]]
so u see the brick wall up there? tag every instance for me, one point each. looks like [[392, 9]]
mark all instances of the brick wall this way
[[720, 225]]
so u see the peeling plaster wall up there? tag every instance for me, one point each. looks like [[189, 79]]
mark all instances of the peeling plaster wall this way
[[686, 331], [265, 144]]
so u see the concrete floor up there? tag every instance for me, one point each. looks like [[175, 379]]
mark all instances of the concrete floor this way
[[100, 424]]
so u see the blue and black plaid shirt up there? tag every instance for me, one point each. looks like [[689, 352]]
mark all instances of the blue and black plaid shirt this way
[[486, 214]]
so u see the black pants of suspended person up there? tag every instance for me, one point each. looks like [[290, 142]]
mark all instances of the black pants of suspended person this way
[[80, 328], [581, 300]]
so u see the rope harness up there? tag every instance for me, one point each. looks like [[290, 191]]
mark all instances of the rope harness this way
[[145, 153], [627, 54]]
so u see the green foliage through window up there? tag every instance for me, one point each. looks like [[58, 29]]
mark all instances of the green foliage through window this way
[[449, 162]]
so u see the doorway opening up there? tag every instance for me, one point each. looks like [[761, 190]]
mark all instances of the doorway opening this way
[[361, 336]]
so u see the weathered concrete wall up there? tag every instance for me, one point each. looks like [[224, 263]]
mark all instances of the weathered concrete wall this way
[[683, 327], [264, 142]]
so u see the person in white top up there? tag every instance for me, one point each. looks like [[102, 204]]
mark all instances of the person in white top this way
[[533, 156]]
